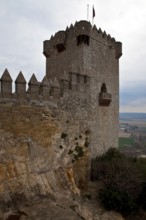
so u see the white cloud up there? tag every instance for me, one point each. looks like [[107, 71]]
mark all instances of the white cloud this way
[[138, 105], [25, 24]]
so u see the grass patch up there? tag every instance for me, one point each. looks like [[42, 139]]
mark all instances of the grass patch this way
[[124, 142]]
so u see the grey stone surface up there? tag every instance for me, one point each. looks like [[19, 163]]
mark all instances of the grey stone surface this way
[[49, 133]]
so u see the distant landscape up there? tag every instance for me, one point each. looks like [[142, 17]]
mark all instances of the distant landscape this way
[[124, 116], [132, 134]]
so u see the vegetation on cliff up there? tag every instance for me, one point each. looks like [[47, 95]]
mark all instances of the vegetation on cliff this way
[[123, 182]]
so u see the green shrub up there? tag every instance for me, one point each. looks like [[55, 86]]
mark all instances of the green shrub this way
[[140, 163], [121, 180], [99, 165], [111, 154], [121, 174], [120, 201], [142, 197]]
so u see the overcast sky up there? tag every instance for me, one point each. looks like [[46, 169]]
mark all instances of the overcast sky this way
[[25, 24]]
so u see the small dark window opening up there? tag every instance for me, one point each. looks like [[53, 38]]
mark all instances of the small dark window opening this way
[[83, 39], [60, 47], [103, 88]]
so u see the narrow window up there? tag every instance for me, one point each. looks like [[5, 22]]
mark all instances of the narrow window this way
[[103, 88], [60, 47], [83, 39]]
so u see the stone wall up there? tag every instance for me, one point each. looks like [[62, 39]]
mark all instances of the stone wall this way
[[44, 136], [93, 53], [41, 153], [72, 84]]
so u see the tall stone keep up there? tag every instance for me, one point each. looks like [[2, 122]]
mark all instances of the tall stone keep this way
[[83, 50]]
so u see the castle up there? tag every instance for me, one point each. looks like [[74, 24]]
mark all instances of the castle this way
[[81, 82]]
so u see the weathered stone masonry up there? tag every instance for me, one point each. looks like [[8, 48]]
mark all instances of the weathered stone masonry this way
[[90, 55], [82, 71], [50, 130]]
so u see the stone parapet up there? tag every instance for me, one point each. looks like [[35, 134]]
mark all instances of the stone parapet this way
[[83, 31], [41, 91]]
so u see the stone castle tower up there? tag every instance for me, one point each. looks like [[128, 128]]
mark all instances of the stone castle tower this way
[[50, 130], [83, 55], [81, 82]]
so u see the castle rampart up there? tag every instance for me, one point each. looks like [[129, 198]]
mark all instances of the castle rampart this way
[[66, 50], [71, 84], [82, 78]]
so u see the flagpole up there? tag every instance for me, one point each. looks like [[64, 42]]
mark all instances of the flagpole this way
[[87, 12]]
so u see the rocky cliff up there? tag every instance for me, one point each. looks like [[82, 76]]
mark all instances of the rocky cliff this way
[[44, 165]]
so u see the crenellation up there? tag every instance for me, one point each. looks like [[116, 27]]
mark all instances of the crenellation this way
[[6, 84], [45, 88], [6, 76], [71, 26], [99, 31], [47, 48], [20, 78], [62, 47], [59, 37], [118, 49], [113, 40], [33, 87], [67, 28], [109, 37], [70, 33], [20, 85], [104, 34], [51, 37], [95, 28]]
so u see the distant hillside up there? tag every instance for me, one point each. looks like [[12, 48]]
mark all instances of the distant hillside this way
[[132, 116]]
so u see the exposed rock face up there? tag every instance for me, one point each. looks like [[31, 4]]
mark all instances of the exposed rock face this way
[[37, 158], [44, 163], [61, 207]]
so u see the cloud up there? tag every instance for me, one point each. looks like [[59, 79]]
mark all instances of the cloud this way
[[138, 105], [25, 24], [133, 99]]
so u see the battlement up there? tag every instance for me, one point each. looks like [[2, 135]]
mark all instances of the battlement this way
[[47, 90], [81, 82], [82, 32]]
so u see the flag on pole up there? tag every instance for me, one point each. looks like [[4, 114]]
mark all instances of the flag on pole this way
[[93, 12]]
